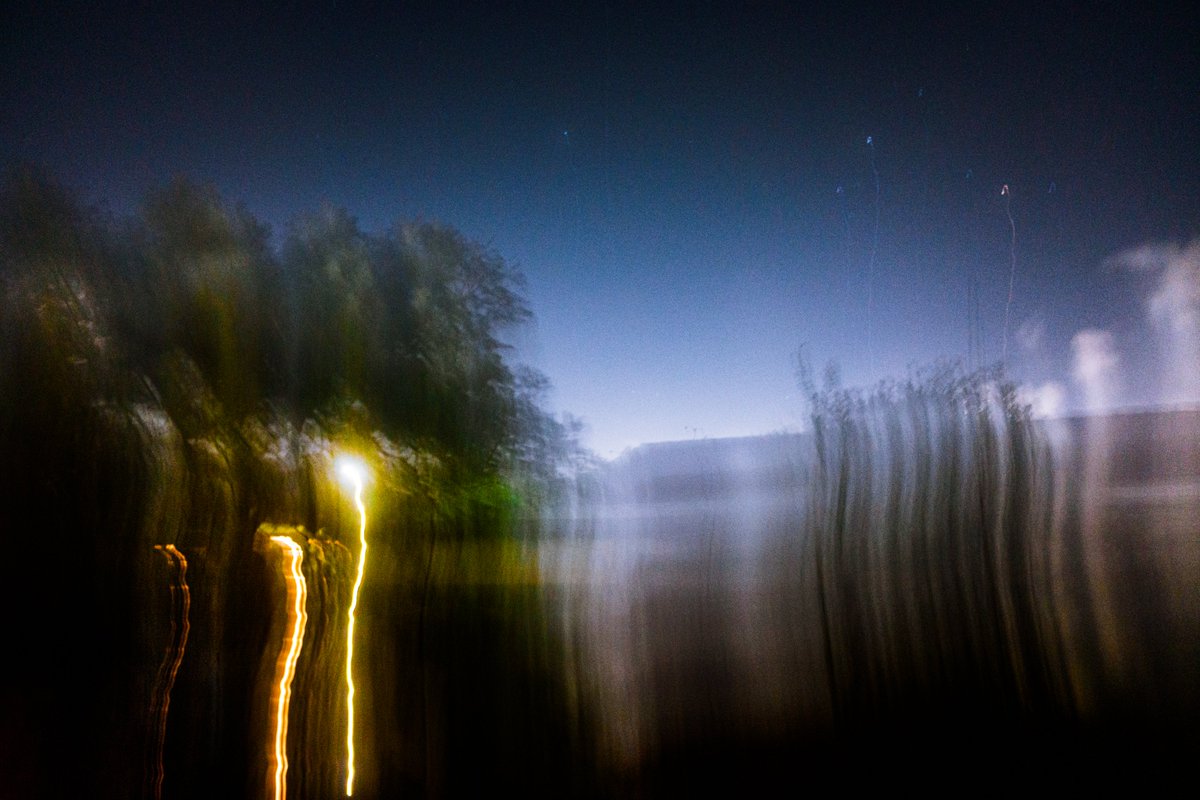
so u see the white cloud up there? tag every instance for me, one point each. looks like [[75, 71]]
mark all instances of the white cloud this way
[[1174, 312], [1095, 368]]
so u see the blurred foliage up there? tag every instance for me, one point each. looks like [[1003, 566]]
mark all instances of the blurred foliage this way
[[931, 532], [175, 377], [406, 327]]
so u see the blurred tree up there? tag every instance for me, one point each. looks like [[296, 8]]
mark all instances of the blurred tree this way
[[193, 307], [207, 275], [332, 302], [462, 299], [173, 377]]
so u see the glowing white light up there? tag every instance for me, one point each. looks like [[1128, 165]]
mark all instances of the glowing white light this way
[[353, 471]]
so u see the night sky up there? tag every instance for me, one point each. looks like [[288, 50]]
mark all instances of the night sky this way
[[694, 193]]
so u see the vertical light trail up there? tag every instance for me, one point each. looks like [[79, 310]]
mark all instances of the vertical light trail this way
[[871, 267], [297, 592], [354, 473], [1012, 270], [181, 602]]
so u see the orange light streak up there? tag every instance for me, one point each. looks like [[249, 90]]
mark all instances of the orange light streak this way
[[297, 592], [180, 596], [354, 472]]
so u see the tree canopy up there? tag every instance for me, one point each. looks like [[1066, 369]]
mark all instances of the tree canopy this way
[[190, 298]]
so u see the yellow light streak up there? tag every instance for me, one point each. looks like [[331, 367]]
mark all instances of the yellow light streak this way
[[297, 592], [174, 655], [355, 473]]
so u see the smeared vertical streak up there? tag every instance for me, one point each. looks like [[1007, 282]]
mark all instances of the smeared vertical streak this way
[[355, 475], [841, 196], [974, 325], [1012, 270], [970, 328], [871, 265], [297, 592], [181, 601]]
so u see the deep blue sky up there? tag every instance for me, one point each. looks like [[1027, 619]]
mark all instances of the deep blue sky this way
[[689, 190]]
